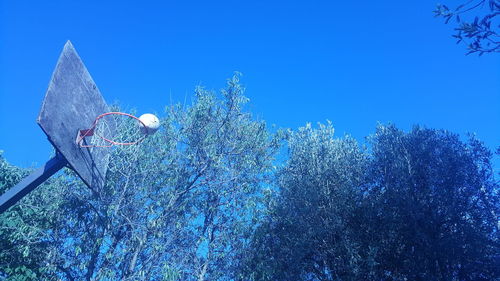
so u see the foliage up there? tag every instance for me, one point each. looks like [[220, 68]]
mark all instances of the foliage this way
[[23, 228], [417, 206], [201, 200], [174, 207], [312, 225], [434, 202], [480, 34]]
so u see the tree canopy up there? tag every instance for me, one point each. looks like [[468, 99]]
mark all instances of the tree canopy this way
[[420, 205], [218, 195]]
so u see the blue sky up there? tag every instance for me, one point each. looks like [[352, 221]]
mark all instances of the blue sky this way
[[355, 63]]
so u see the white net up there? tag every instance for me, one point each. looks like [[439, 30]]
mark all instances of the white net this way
[[113, 129], [120, 133]]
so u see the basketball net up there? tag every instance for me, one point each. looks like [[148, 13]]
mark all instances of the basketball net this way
[[113, 129], [119, 131]]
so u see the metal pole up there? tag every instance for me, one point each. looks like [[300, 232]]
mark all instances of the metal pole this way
[[17, 192]]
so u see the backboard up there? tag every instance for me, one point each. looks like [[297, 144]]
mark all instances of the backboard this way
[[72, 103]]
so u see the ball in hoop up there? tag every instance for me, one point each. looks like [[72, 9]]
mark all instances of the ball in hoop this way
[[149, 123]]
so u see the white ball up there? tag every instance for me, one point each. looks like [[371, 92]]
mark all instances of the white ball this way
[[150, 123]]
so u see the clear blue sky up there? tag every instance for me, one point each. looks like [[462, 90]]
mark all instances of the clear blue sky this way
[[353, 62]]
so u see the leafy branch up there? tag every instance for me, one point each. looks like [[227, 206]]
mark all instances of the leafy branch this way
[[480, 34]]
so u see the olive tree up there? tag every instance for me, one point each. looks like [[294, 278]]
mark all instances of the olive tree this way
[[313, 224], [418, 205], [174, 207], [435, 204]]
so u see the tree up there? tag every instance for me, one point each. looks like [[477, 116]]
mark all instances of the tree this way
[[174, 207], [420, 205], [18, 255], [312, 228], [434, 202], [194, 202], [480, 34]]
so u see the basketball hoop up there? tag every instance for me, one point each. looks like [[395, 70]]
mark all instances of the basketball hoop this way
[[131, 130], [72, 86]]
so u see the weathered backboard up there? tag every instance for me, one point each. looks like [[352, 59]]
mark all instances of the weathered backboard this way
[[71, 104]]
